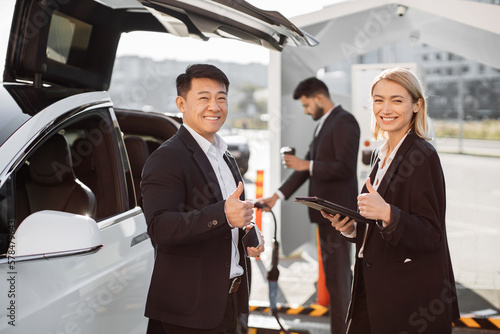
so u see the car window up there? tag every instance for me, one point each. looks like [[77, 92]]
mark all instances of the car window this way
[[77, 168]]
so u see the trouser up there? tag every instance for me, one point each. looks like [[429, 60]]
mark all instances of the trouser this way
[[228, 325], [360, 323], [335, 253]]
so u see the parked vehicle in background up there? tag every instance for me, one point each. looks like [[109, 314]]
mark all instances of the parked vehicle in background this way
[[74, 250], [237, 145]]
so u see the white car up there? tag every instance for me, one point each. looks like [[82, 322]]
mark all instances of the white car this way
[[75, 254]]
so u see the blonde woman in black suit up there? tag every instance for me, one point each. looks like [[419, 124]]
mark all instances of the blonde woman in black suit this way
[[403, 277]]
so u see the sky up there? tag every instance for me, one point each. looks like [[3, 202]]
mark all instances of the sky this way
[[164, 46]]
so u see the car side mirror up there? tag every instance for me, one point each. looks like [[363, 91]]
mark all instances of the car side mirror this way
[[48, 234]]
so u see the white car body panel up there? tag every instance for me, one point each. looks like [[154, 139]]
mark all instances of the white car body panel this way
[[73, 294]]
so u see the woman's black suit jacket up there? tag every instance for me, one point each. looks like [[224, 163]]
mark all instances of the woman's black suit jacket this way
[[407, 271], [186, 221]]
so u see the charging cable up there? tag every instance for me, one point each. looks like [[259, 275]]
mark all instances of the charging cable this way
[[273, 273]]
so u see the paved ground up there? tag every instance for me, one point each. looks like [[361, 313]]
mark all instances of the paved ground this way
[[297, 287]]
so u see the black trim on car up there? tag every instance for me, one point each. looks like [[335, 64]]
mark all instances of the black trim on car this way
[[139, 238], [47, 256]]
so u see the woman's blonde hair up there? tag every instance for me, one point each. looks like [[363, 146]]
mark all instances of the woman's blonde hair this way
[[410, 82]]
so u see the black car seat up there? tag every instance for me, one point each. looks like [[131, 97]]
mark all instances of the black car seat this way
[[52, 184], [138, 153]]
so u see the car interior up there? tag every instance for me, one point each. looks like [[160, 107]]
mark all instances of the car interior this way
[[70, 171], [52, 184], [143, 134]]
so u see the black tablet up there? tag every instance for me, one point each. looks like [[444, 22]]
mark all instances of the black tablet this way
[[322, 204]]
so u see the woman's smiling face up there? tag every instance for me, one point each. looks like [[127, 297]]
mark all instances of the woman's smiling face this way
[[393, 107]]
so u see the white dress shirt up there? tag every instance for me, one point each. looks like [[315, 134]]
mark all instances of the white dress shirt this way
[[215, 154]]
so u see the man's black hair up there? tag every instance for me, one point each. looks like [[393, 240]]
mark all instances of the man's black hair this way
[[310, 87], [199, 71]]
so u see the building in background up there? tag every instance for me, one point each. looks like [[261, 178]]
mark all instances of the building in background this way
[[145, 84], [442, 73]]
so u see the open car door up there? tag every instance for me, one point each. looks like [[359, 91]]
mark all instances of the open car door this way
[[73, 43], [229, 19]]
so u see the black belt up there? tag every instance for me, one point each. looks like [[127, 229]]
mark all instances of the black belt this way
[[234, 284]]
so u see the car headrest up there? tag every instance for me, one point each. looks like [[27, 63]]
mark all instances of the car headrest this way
[[51, 163]]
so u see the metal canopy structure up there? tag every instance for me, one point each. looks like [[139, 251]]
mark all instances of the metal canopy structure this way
[[345, 31]]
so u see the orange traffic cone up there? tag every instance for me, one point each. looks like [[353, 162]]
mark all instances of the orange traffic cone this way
[[323, 297]]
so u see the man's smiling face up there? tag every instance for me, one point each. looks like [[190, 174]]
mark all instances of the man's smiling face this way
[[204, 107]]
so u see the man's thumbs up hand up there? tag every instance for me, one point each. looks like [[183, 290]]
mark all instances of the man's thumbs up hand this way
[[237, 193], [239, 213]]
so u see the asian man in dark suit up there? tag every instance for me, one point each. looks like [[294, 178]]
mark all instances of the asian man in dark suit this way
[[330, 166], [196, 216]]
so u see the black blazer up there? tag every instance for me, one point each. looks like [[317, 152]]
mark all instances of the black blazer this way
[[186, 221], [406, 268], [335, 155]]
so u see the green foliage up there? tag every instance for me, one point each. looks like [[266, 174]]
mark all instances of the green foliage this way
[[485, 129]]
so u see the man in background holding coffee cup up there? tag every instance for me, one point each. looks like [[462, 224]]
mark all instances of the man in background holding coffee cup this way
[[330, 166]]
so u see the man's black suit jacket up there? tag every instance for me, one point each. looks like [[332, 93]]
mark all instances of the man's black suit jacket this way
[[186, 221], [335, 155]]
